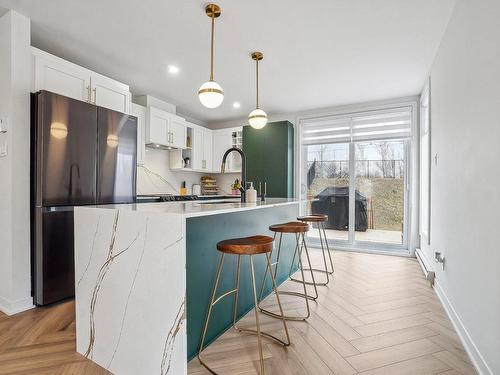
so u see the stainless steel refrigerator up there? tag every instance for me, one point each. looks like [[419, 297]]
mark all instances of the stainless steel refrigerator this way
[[81, 154]]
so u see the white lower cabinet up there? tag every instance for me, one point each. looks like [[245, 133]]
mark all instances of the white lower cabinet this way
[[62, 77], [140, 112]]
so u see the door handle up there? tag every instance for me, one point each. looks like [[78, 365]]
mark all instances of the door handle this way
[[95, 95], [89, 95]]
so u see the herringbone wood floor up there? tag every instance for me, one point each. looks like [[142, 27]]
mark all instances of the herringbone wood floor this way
[[378, 316]]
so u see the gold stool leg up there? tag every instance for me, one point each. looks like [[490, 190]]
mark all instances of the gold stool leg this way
[[310, 269], [328, 248], [275, 289], [210, 306], [257, 321], [324, 271], [273, 264], [298, 249], [235, 300], [253, 331]]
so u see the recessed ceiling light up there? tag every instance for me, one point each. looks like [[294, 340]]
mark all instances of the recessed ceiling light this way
[[236, 105], [172, 69]]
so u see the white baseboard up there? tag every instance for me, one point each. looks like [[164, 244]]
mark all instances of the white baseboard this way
[[425, 262], [14, 307], [470, 347]]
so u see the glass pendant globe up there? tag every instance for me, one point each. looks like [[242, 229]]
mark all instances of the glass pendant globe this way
[[257, 118], [211, 94]]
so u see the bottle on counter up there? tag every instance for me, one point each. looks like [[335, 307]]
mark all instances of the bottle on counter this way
[[251, 193], [183, 189]]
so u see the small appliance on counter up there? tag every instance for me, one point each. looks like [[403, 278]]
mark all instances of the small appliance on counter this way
[[196, 189]]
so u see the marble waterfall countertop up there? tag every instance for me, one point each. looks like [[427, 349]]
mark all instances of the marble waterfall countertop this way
[[201, 207], [130, 279]]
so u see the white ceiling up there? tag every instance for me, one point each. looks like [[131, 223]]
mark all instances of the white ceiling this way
[[317, 53]]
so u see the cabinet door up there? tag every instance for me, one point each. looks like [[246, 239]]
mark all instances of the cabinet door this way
[[207, 149], [197, 148], [111, 94], [221, 143], [61, 77], [158, 123], [177, 132], [140, 112]]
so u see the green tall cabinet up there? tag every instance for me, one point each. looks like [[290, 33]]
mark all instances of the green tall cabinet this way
[[270, 152]]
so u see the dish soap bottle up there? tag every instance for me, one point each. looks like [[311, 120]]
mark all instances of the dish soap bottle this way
[[251, 194]]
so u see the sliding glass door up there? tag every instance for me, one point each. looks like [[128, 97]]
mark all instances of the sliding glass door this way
[[355, 170], [380, 174], [328, 177]]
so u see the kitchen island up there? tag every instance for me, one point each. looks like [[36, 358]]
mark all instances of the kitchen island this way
[[144, 274]]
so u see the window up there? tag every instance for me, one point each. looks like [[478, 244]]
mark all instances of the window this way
[[355, 170], [425, 159]]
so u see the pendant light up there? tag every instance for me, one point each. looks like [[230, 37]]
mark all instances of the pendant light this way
[[210, 93], [257, 118]]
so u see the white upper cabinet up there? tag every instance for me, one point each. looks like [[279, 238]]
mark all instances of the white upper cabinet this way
[[62, 77], [224, 139], [207, 150], [140, 112], [202, 149], [157, 123], [108, 93], [177, 132], [197, 161], [165, 129]]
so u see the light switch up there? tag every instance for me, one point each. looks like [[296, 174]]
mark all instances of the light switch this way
[[3, 137]]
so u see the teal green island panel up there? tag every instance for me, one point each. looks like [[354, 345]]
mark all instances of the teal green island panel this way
[[202, 235], [270, 152]]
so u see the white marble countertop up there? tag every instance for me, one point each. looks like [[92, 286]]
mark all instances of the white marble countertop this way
[[199, 208]]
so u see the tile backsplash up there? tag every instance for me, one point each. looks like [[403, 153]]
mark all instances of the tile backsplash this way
[[155, 176]]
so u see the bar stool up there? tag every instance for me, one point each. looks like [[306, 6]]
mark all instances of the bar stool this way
[[299, 229], [320, 220], [250, 246]]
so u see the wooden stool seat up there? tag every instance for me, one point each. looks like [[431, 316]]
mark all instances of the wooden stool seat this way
[[290, 227], [315, 218], [246, 245]]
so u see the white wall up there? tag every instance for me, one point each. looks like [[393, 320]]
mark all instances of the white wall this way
[[465, 126], [15, 76]]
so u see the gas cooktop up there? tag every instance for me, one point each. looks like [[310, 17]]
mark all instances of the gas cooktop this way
[[165, 198]]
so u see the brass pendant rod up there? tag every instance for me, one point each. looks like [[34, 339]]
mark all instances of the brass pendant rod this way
[[212, 48], [257, 75]]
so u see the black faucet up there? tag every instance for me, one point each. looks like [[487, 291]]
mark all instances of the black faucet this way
[[243, 170]]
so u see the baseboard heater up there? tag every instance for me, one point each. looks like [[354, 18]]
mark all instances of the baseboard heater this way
[[430, 275]]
